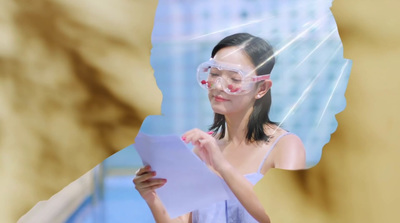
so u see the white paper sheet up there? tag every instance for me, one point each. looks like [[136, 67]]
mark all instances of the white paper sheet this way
[[190, 184]]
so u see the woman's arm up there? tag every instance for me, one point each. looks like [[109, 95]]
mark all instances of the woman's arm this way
[[244, 192], [207, 149], [146, 184], [161, 215]]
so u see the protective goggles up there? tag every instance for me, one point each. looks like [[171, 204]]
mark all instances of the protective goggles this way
[[232, 78]]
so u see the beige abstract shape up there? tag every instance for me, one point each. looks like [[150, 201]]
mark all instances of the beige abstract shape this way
[[357, 177], [75, 85]]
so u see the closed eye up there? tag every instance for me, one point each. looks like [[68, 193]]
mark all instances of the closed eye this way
[[236, 80], [214, 75]]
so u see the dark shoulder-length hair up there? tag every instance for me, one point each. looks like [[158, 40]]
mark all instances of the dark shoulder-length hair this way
[[262, 56]]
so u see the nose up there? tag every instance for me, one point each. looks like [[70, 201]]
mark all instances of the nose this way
[[218, 84]]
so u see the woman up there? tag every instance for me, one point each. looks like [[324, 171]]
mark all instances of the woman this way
[[244, 143]]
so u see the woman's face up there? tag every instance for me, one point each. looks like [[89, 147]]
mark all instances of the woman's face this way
[[223, 103]]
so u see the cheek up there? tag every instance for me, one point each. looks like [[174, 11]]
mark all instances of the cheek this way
[[209, 96], [244, 101]]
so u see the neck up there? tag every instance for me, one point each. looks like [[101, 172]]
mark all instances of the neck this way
[[237, 126]]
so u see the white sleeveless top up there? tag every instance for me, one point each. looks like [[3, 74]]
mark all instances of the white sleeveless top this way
[[231, 211]]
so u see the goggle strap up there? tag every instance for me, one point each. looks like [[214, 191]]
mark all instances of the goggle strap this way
[[261, 77]]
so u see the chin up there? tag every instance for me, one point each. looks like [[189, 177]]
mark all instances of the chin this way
[[218, 110]]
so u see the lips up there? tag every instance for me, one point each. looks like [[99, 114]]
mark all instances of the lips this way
[[220, 99]]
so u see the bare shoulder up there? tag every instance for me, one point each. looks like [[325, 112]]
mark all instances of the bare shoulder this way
[[289, 153]]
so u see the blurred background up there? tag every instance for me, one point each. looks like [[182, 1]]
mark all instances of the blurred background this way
[[70, 76]]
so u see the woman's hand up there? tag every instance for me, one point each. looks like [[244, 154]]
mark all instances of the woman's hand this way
[[146, 185], [207, 148]]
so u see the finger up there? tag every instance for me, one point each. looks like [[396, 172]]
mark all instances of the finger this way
[[186, 137], [206, 143], [150, 183], [203, 156], [143, 177], [189, 135], [206, 155], [194, 136], [157, 186], [152, 188], [143, 170]]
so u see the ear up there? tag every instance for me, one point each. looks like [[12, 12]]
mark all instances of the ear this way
[[263, 88]]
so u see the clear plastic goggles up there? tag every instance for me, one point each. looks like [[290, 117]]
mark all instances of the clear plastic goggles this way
[[231, 78]]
